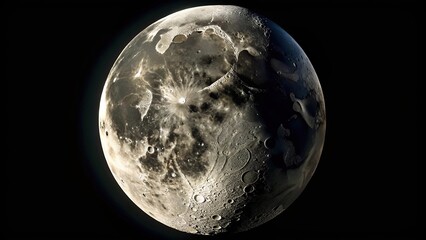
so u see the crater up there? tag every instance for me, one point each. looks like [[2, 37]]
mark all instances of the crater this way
[[180, 38]]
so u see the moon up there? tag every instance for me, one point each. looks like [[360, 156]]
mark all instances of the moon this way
[[212, 120]]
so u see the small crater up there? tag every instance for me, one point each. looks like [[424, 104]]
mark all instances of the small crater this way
[[151, 150], [250, 177], [216, 217], [238, 160], [209, 31], [249, 189], [269, 143], [199, 198], [179, 38]]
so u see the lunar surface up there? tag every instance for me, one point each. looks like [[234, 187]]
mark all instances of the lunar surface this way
[[212, 120]]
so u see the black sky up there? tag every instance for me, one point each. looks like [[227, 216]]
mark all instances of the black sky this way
[[367, 54]]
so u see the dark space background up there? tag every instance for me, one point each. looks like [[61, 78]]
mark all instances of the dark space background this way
[[368, 56]]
